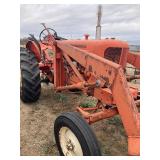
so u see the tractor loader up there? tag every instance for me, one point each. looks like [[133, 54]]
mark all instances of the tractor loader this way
[[95, 67]]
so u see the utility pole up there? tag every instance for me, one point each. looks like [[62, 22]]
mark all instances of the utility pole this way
[[98, 27]]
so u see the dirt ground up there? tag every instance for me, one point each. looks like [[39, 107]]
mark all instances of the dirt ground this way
[[37, 120]]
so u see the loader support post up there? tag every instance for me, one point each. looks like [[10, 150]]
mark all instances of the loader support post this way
[[128, 112], [58, 69]]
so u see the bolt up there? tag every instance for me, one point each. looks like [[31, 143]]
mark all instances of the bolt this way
[[69, 145], [98, 82]]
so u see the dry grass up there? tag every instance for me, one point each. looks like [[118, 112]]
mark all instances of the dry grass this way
[[37, 121]]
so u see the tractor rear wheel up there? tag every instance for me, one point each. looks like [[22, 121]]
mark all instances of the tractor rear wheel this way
[[74, 136], [30, 87]]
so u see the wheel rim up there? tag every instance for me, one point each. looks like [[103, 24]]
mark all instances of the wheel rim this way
[[69, 143]]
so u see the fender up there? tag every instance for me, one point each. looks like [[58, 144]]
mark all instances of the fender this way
[[32, 46]]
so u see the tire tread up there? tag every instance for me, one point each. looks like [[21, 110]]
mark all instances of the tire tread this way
[[31, 83]]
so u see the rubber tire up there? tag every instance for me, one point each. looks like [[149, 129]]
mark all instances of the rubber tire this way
[[82, 131], [30, 77]]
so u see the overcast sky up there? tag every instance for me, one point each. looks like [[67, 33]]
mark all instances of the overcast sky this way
[[73, 21]]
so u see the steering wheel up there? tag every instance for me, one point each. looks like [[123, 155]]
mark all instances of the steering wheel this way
[[44, 36]]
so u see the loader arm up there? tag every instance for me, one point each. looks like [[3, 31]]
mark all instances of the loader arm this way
[[115, 81]]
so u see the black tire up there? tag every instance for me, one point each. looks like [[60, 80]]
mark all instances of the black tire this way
[[81, 130], [30, 87]]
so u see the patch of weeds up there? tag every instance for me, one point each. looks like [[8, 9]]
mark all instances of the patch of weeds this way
[[60, 97], [115, 121], [88, 103], [122, 131]]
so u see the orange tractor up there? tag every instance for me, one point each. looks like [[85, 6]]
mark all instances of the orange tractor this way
[[95, 67]]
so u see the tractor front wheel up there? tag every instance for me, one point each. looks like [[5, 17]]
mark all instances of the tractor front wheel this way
[[74, 136], [30, 86]]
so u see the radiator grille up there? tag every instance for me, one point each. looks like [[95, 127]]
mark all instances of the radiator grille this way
[[113, 54]]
